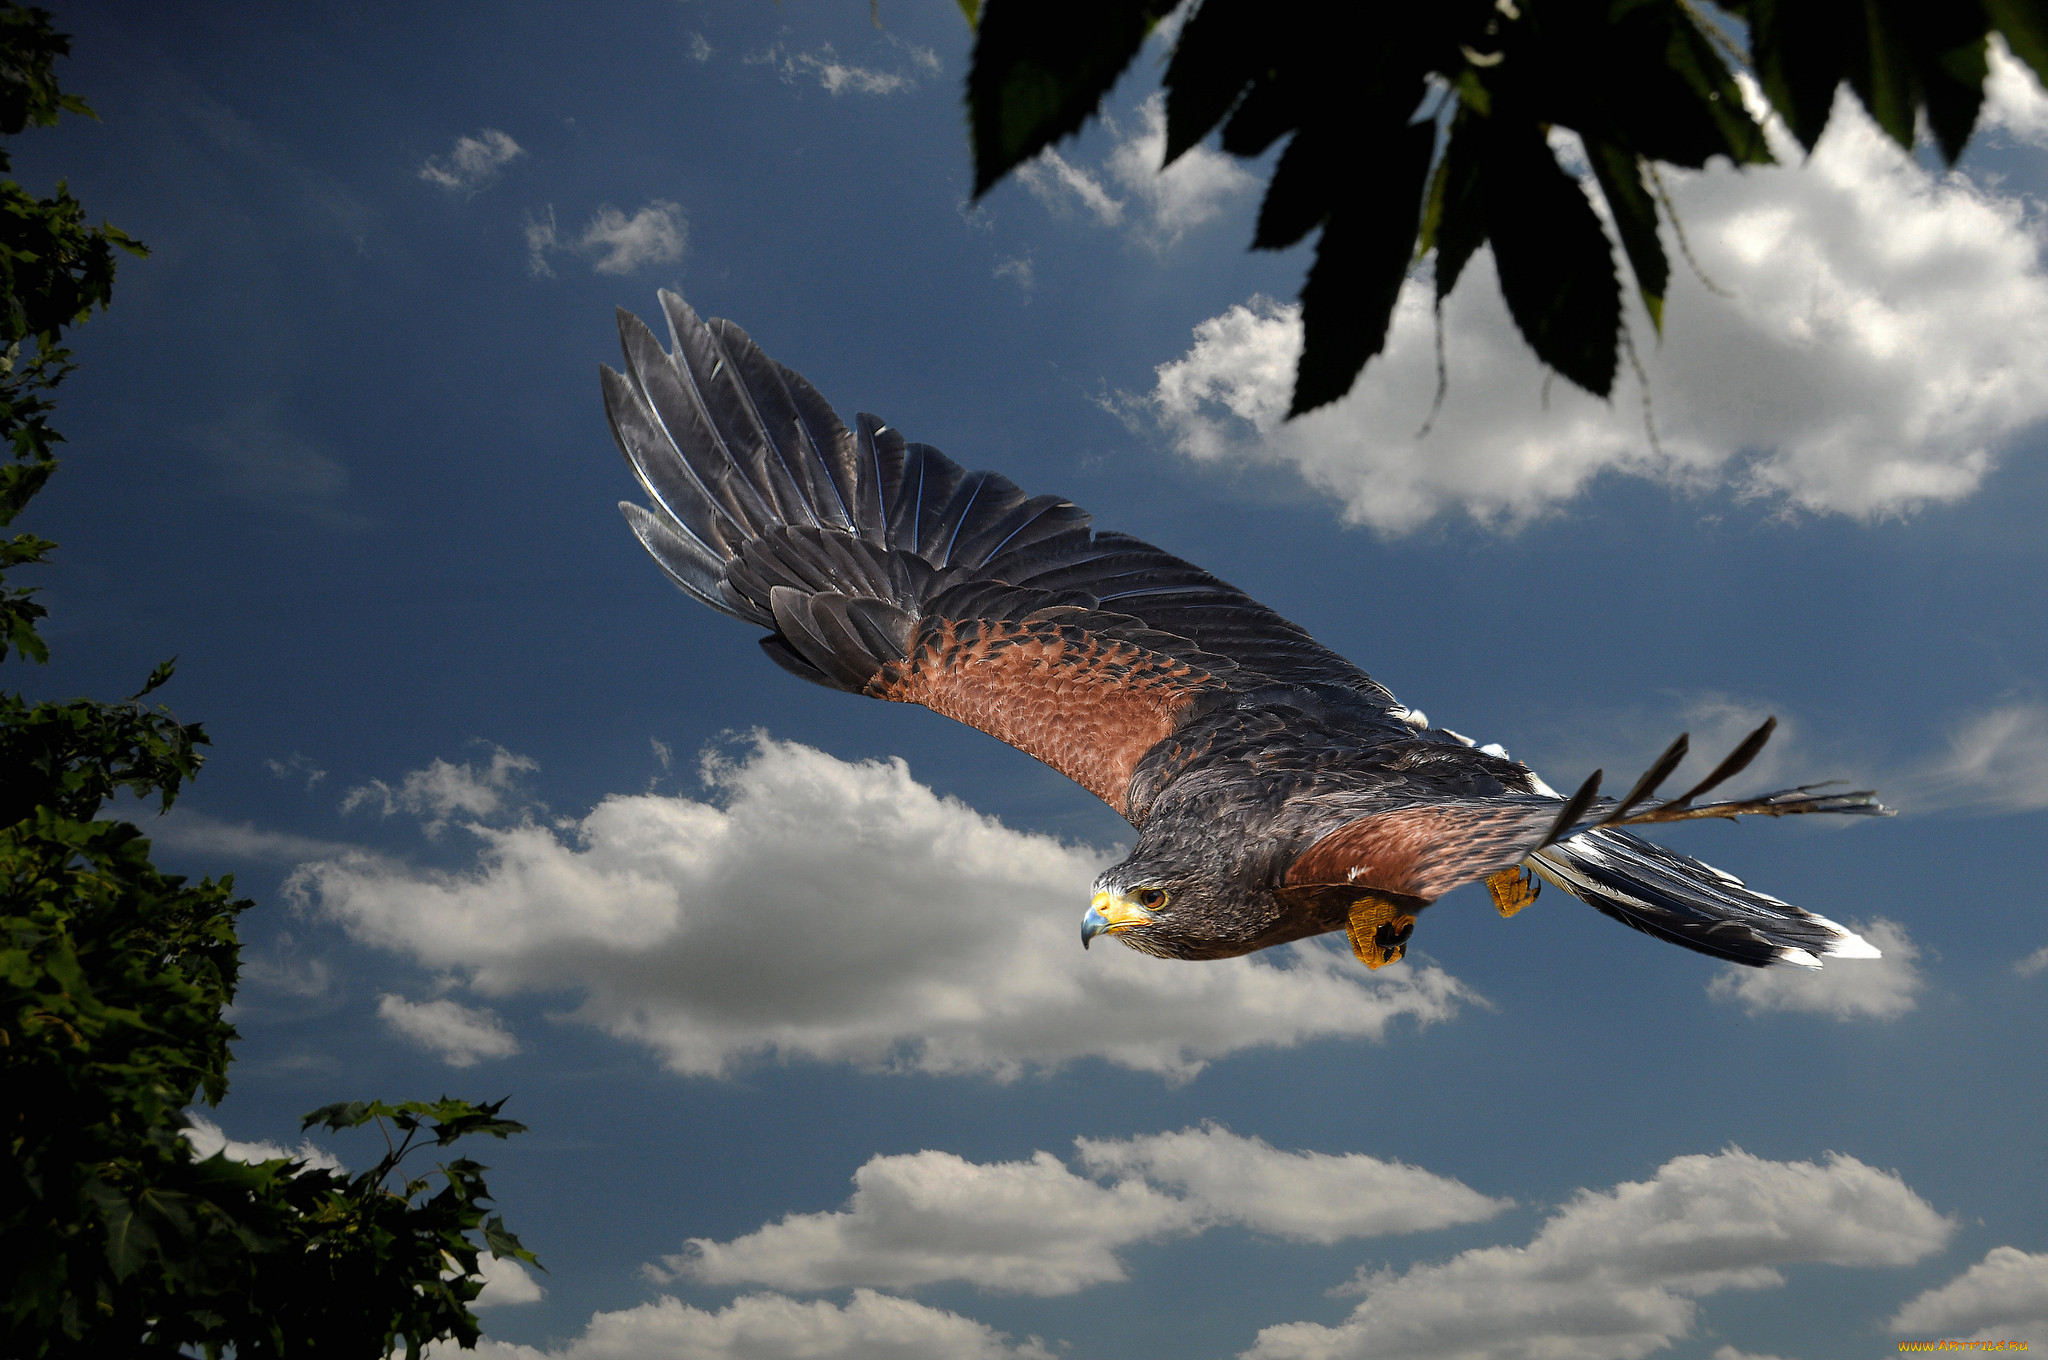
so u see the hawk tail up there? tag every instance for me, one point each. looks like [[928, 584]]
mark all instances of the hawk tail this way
[[1677, 898]]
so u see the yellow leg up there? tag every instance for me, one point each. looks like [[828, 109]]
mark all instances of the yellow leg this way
[[1379, 931], [1512, 890]]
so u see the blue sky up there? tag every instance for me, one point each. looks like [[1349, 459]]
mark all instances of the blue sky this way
[[785, 981]]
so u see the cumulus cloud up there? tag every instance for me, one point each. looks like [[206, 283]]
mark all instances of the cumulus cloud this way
[[473, 163], [844, 912], [2014, 102], [869, 1326], [506, 1283], [2004, 1297], [1616, 1275], [613, 242], [1037, 1227], [653, 235], [1997, 761], [1847, 989], [461, 1035], [1195, 189], [1021, 1227], [443, 790], [207, 1138], [1303, 1196], [1880, 347], [2033, 964]]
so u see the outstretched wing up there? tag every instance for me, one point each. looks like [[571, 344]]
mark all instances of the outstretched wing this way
[[883, 568]]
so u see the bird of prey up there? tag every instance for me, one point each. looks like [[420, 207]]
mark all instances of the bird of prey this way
[[1279, 791]]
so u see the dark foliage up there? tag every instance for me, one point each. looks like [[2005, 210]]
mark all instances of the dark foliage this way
[[1426, 127], [119, 1241]]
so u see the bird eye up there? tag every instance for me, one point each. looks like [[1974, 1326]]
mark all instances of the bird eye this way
[[1152, 899]]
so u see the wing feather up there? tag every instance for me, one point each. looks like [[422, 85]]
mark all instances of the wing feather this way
[[885, 568]]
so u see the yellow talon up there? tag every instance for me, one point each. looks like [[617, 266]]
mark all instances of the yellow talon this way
[[1512, 890], [1379, 931]]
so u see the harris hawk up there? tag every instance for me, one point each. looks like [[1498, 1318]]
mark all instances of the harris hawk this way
[[1278, 790]]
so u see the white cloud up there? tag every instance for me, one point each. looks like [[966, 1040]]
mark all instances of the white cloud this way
[[506, 1283], [1997, 761], [541, 241], [870, 1326], [1195, 189], [1305, 1196], [1019, 269], [2033, 964], [1881, 346], [1021, 1227], [1053, 179], [2013, 99], [1615, 1275], [296, 767], [700, 47], [842, 912], [196, 833], [1037, 1227], [2002, 1297], [442, 790], [653, 235], [1847, 989], [473, 163], [836, 75], [207, 1138], [460, 1034], [613, 242]]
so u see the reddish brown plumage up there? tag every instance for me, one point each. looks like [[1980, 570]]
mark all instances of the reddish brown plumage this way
[[1420, 851], [1086, 705]]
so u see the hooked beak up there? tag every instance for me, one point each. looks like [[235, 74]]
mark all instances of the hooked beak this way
[[1108, 914]]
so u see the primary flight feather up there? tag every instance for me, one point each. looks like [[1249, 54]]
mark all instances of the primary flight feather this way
[[1278, 790]]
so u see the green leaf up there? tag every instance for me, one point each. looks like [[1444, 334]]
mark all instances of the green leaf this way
[[1300, 194], [1454, 223], [1801, 50], [1222, 47], [129, 1237], [1881, 73], [503, 1244], [1361, 261], [972, 9], [343, 1114], [1953, 86], [1265, 115], [1556, 266], [1692, 55], [1039, 70], [1634, 208]]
